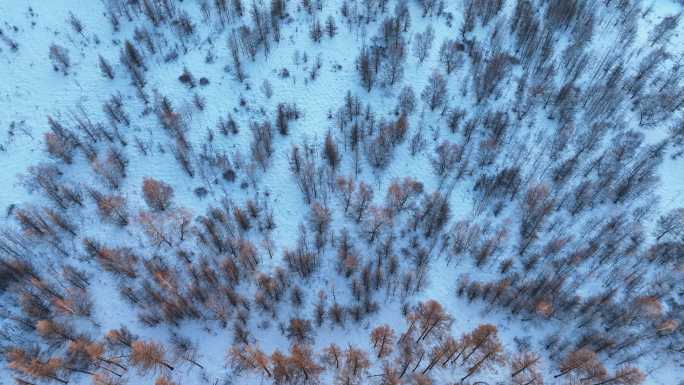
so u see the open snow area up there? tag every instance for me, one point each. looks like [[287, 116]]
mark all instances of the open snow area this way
[[378, 192]]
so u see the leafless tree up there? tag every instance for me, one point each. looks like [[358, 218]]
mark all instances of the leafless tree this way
[[450, 55], [157, 194], [422, 43], [662, 32], [435, 92], [671, 225], [105, 67], [60, 58]]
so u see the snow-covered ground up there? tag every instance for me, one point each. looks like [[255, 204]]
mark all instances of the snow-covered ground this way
[[31, 90]]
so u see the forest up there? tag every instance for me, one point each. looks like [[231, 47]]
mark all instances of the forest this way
[[342, 192]]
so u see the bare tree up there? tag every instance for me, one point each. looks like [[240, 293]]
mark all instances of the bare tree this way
[[148, 356], [447, 156], [330, 26], [330, 152], [60, 58], [422, 43], [583, 362], [157, 194], [234, 47], [662, 32], [316, 31], [382, 338], [262, 143], [671, 225], [407, 101], [30, 363], [450, 55], [435, 92], [105, 67], [367, 68]]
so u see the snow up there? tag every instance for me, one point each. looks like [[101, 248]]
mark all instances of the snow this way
[[30, 91]]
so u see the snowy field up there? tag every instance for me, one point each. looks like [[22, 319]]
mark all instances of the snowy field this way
[[341, 192]]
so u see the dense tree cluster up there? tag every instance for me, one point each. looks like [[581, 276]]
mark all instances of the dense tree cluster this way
[[512, 168]]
